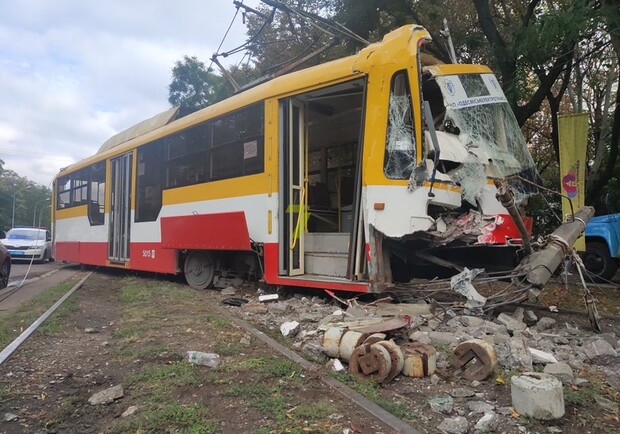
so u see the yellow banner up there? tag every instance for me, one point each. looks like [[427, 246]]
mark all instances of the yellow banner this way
[[573, 137]]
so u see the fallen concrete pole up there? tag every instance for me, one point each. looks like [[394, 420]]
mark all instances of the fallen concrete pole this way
[[540, 266]]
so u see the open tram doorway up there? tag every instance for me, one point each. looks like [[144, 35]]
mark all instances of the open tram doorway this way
[[120, 208], [321, 229]]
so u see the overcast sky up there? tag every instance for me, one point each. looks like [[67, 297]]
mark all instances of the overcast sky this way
[[74, 72]]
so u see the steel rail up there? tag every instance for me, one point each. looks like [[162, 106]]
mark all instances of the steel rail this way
[[10, 349]]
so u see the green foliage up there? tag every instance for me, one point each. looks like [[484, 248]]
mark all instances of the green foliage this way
[[193, 86], [31, 201]]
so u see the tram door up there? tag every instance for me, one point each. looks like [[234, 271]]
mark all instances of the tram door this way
[[120, 210], [293, 192]]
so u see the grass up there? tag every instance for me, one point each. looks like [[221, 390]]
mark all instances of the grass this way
[[171, 417], [12, 325]]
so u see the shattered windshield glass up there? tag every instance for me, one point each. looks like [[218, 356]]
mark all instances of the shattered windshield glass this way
[[477, 110]]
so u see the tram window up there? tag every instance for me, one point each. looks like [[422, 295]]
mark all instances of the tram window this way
[[400, 148], [79, 187], [238, 147], [64, 192], [187, 156]]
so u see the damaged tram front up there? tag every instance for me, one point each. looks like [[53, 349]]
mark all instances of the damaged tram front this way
[[435, 211]]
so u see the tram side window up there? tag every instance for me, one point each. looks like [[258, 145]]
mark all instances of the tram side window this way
[[84, 187], [150, 178], [400, 147], [96, 194], [238, 147], [187, 156]]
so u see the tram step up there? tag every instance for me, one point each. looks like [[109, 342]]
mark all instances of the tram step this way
[[326, 264], [326, 242]]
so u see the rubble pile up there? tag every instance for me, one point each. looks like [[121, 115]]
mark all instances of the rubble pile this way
[[379, 341]]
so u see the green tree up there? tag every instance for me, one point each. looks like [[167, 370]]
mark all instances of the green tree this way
[[31, 201], [194, 87]]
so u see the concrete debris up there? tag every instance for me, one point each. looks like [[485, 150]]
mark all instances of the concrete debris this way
[[290, 329], [462, 392], [203, 359], [480, 407], [130, 411], [530, 318], [612, 374], [545, 323], [421, 337], [542, 357], [537, 395], [107, 396], [444, 338], [471, 321], [10, 417], [443, 404], [599, 348], [454, 425], [268, 297], [228, 291], [520, 355], [91, 330], [562, 371], [511, 323], [335, 365], [487, 423]]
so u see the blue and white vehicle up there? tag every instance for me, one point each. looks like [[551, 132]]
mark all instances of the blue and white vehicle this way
[[27, 243], [602, 246]]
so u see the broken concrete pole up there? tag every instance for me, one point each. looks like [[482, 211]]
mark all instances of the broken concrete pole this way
[[537, 395], [331, 341], [107, 396], [420, 360], [540, 265], [477, 357], [349, 342]]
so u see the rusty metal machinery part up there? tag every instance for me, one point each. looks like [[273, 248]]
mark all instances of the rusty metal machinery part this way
[[420, 360], [370, 362], [349, 342], [396, 357], [331, 341], [375, 337], [484, 355]]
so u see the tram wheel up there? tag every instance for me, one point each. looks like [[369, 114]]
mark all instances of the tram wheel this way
[[199, 269]]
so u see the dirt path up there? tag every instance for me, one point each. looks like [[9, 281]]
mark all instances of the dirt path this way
[[131, 332]]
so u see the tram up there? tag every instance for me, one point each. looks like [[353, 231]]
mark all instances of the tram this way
[[349, 175]]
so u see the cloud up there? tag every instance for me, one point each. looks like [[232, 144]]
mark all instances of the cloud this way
[[74, 73]]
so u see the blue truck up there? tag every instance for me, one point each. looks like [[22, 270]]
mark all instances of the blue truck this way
[[602, 246]]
